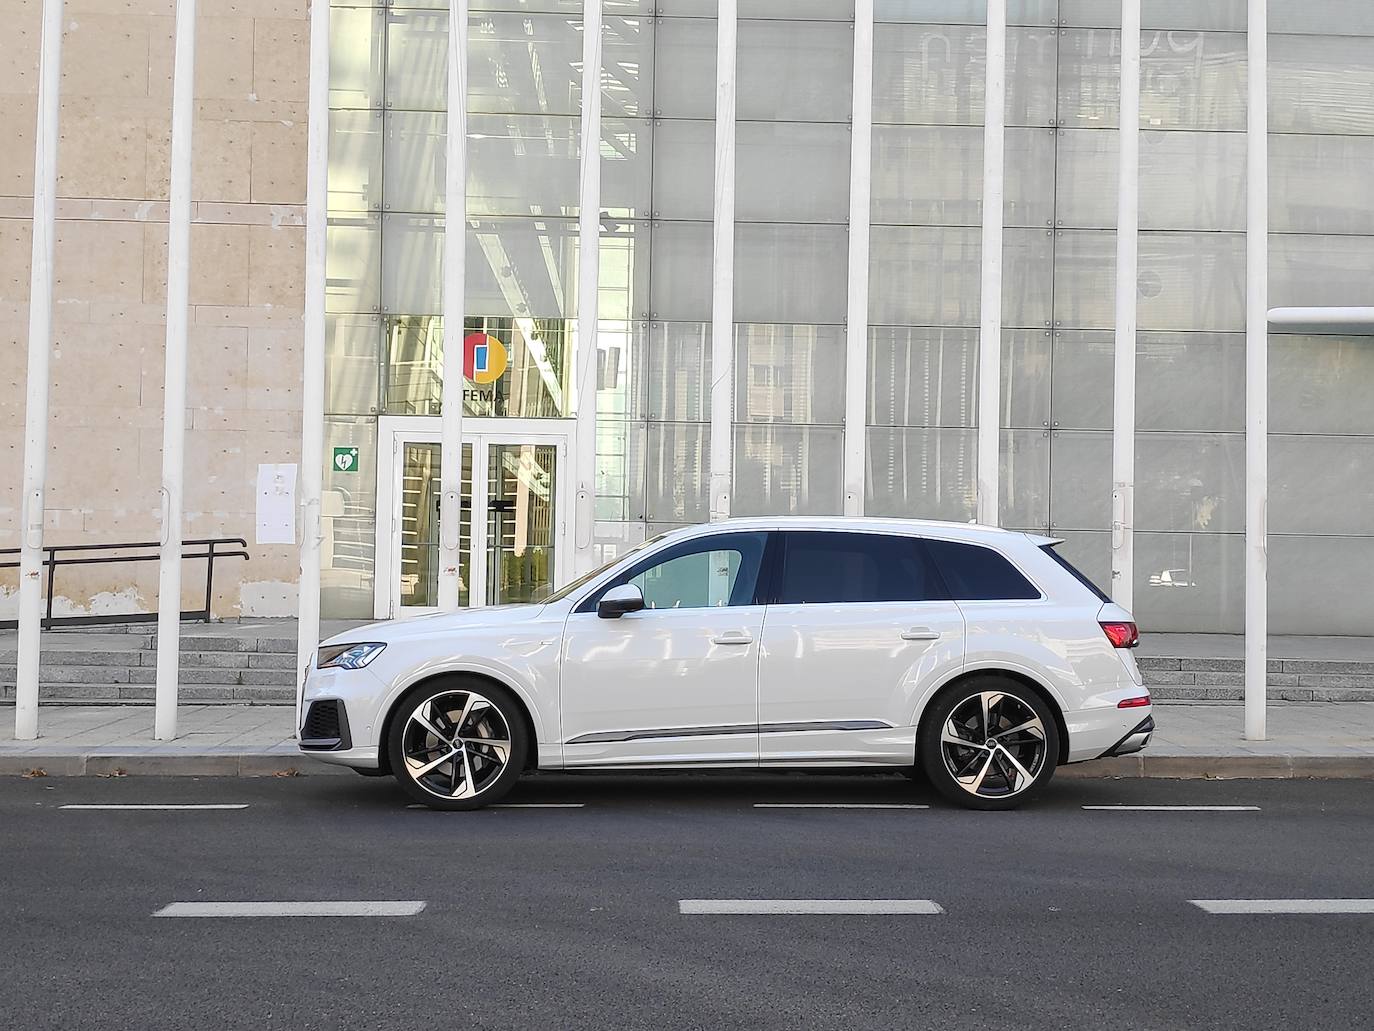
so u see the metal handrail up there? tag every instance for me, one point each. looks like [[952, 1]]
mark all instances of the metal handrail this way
[[53, 561]]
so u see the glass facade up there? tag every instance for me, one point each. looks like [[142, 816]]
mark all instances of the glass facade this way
[[794, 72]]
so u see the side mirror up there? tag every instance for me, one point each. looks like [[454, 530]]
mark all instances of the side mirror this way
[[620, 600]]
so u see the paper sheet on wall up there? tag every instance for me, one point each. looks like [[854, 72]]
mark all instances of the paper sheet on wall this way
[[276, 504]]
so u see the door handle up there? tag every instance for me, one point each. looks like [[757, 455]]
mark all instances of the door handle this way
[[920, 633], [733, 637]]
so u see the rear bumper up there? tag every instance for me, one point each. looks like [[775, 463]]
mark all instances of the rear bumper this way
[[1137, 739]]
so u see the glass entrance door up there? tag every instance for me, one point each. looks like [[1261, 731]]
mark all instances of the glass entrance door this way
[[510, 552]]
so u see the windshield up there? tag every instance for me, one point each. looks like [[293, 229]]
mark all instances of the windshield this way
[[587, 578]]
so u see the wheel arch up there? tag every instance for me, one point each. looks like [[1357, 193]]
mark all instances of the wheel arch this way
[[522, 706], [1045, 694]]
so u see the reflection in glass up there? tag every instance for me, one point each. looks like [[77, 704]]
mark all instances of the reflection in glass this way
[[521, 481], [420, 494]]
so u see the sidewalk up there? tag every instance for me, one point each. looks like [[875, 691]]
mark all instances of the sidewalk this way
[[1194, 740]]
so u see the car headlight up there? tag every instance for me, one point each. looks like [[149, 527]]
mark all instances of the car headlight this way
[[348, 656]]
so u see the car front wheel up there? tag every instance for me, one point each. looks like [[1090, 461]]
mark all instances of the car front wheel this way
[[457, 743], [989, 743]]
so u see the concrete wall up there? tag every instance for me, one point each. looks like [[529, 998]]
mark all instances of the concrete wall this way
[[247, 272]]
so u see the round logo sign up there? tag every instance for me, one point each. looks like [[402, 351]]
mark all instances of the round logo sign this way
[[484, 358]]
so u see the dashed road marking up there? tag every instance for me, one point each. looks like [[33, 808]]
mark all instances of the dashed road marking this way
[[837, 805], [260, 909], [1281, 906], [1174, 808], [809, 907], [513, 805], [162, 806]]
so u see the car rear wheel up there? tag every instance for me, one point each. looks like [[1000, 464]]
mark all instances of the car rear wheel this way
[[457, 743], [989, 743]]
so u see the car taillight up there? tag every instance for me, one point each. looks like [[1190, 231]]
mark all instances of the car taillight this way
[[1122, 635], [1134, 703]]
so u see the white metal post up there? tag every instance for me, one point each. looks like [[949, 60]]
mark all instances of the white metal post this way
[[1127, 260], [588, 283], [1257, 377], [40, 347], [990, 324], [174, 377], [455, 268], [723, 269], [856, 321], [312, 384]]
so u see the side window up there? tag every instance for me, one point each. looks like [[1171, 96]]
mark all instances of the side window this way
[[975, 573], [830, 568], [709, 572]]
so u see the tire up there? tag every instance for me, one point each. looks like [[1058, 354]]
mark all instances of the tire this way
[[486, 723], [975, 775]]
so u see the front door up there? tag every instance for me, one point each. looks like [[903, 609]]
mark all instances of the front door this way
[[676, 682], [512, 551]]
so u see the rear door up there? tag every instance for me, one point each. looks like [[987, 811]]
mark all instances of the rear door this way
[[858, 626]]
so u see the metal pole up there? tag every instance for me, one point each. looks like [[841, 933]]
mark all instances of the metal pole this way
[[990, 327], [723, 270], [1127, 255], [40, 346], [455, 269], [174, 377], [1257, 377], [588, 280], [312, 383], [856, 322]]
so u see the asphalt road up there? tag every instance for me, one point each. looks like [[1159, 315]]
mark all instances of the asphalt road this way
[[1053, 916]]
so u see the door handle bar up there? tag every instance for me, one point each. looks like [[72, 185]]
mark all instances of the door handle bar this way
[[921, 633], [732, 638]]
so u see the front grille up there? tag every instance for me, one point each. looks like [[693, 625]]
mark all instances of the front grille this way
[[325, 726]]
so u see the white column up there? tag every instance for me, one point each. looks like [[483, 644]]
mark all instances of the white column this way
[[40, 346], [1257, 377], [990, 325], [588, 283], [312, 389], [723, 270], [856, 321], [174, 376], [455, 268], [1127, 248]]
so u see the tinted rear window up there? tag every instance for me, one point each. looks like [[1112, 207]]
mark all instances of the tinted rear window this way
[[975, 573], [1049, 549], [837, 568]]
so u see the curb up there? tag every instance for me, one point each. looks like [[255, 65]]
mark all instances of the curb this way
[[292, 764], [1224, 767], [218, 764]]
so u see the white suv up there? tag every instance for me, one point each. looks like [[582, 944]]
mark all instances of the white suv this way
[[978, 653]]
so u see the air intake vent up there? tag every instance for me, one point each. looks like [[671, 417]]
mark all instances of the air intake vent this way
[[326, 726]]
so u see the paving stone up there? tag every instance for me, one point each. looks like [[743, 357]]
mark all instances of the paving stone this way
[[1159, 676], [148, 675], [280, 677], [276, 644], [272, 660], [74, 674], [1325, 666], [1336, 680]]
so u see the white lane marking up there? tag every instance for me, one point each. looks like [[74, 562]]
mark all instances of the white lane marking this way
[[843, 907], [1175, 808], [291, 909], [515, 805], [164, 805], [836, 805], [1240, 906], [537, 805]]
